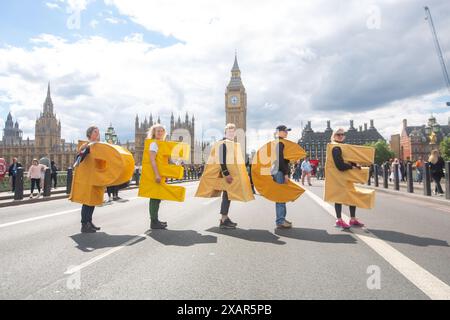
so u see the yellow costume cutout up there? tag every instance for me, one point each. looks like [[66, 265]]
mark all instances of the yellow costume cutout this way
[[339, 185], [105, 165], [148, 188], [261, 172], [212, 183]]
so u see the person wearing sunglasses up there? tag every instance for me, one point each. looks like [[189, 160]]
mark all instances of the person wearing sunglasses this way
[[338, 137]]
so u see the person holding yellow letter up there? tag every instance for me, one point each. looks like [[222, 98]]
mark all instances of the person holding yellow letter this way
[[87, 226], [340, 176], [97, 166], [156, 169], [157, 132], [270, 173], [226, 174], [280, 172]]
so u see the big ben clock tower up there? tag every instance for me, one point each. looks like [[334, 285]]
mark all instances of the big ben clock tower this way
[[236, 102]]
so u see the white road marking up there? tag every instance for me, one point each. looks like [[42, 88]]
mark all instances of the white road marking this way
[[433, 287], [9, 224], [104, 255]]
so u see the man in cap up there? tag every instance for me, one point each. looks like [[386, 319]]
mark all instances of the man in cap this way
[[280, 171]]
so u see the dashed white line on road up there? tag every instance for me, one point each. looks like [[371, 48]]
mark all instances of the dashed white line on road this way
[[430, 285], [104, 255]]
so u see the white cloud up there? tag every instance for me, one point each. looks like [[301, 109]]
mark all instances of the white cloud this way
[[52, 5]]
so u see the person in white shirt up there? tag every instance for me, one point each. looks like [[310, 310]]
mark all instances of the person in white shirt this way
[[156, 132]]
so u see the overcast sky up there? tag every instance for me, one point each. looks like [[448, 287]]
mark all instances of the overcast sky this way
[[108, 60]]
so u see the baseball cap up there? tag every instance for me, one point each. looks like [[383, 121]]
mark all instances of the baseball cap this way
[[283, 128]]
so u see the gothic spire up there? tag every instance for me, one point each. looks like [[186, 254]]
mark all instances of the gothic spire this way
[[235, 65], [48, 104]]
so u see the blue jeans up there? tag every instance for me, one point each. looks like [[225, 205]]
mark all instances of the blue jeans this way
[[280, 208]]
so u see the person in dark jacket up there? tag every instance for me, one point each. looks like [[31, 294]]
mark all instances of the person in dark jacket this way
[[87, 226], [337, 138], [54, 175], [225, 222], [280, 172], [12, 171], [437, 165]]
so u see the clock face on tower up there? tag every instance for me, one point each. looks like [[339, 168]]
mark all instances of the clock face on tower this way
[[234, 100]]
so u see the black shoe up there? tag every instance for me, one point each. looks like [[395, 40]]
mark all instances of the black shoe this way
[[231, 222], [163, 223], [157, 225], [94, 227], [87, 228], [227, 224]]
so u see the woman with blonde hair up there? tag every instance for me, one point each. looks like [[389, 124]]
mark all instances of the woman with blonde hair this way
[[437, 165], [338, 137], [156, 132]]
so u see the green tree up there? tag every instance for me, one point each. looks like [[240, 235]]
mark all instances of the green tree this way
[[445, 149], [382, 151]]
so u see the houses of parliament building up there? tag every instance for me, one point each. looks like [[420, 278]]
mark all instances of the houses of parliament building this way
[[49, 144]]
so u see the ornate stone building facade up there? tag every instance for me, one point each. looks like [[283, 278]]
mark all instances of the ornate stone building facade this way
[[178, 131], [419, 141], [140, 134], [315, 143], [47, 143], [183, 131], [236, 101], [12, 135]]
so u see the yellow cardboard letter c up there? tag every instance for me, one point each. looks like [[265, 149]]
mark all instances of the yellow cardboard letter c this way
[[261, 172]]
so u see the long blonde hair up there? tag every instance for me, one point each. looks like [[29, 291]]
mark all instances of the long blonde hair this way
[[151, 133], [338, 130], [434, 157]]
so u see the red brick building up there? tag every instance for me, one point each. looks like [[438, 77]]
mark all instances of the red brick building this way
[[416, 141]]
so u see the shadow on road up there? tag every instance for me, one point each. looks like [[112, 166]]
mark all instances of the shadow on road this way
[[315, 235], [249, 235], [399, 237], [180, 238], [100, 240]]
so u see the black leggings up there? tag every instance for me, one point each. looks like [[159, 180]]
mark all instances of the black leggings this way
[[113, 191], [35, 183], [86, 213], [438, 187], [338, 208], [225, 206]]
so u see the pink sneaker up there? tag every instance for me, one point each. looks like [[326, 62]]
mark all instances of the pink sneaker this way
[[355, 223], [342, 224]]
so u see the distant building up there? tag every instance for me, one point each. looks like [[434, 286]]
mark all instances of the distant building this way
[[47, 143], [111, 136], [315, 143], [12, 135], [179, 131], [183, 131], [419, 141], [140, 134], [236, 102]]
